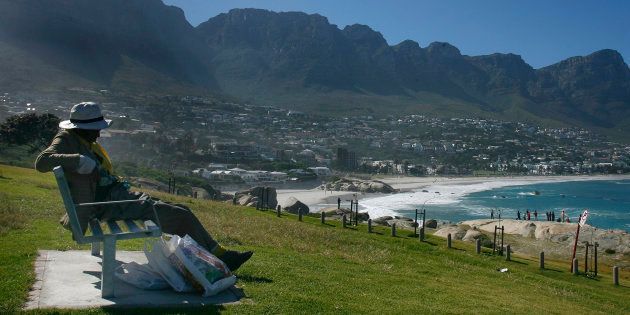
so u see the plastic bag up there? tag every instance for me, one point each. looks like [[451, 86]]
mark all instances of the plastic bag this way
[[207, 272], [161, 257], [141, 276]]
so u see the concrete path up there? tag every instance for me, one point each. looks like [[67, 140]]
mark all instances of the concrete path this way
[[72, 279]]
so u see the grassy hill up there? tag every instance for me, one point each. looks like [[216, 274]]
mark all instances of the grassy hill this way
[[306, 267]]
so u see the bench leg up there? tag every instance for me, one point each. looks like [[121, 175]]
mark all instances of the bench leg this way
[[96, 248], [109, 261]]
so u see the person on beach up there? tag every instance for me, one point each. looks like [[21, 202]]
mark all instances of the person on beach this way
[[529, 217], [518, 215], [562, 216], [536, 215], [90, 175], [553, 216], [492, 214], [338, 202]]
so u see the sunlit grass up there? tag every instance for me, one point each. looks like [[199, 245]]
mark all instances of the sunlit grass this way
[[307, 267]]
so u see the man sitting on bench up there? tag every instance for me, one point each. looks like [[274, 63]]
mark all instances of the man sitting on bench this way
[[90, 176]]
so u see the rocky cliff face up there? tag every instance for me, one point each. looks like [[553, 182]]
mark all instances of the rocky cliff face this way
[[96, 40]]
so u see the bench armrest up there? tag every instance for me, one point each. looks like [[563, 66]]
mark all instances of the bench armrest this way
[[87, 204]]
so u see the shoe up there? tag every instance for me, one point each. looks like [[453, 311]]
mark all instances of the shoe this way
[[234, 259]]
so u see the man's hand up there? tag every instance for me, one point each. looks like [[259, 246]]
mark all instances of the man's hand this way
[[86, 165]]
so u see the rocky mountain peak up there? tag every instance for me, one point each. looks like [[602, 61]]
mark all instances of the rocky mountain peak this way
[[443, 49]]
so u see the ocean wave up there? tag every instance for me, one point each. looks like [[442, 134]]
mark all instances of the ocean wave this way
[[530, 193]]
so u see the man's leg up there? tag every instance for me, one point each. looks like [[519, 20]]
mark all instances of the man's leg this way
[[181, 221], [174, 219]]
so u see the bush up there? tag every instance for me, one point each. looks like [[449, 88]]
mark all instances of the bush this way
[[609, 251]]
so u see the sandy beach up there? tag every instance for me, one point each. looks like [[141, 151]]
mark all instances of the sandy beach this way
[[434, 190]]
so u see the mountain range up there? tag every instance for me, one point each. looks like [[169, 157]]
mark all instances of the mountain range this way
[[295, 60]]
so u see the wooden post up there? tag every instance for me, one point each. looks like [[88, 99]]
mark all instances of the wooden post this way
[[494, 243], [394, 229], [478, 246], [323, 217], [343, 220], [616, 275], [369, 225], [595, 263], [574, 267], [502, 234], [507, 253], [586, 258], [542, 260], [422, 232], [448, 240], [300, 215], [278, 211]]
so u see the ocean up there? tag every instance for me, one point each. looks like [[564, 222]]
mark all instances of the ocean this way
[[608, 202]]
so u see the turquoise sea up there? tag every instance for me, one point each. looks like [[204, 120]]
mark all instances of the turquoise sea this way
[[608, 203]]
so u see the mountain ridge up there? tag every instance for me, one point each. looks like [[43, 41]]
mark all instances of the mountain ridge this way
[[296, 60]]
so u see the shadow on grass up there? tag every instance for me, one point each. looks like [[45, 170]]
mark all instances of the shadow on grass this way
[[430, 243], [208, 309], [457, 249], [518, 262], [253, 279]]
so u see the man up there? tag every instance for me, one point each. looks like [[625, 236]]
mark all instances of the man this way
[[90, 176]]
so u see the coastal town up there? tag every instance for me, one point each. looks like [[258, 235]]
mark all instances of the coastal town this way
[[229, 142]]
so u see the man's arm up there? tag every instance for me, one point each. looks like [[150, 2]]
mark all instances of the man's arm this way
[[60, 152]]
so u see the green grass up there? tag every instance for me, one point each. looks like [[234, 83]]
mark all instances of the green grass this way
[[306, 267]]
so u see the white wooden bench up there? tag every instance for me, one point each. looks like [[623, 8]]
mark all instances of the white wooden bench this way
[[108, 237]]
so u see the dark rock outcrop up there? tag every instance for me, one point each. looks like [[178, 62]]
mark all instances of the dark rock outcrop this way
[[292, 205]]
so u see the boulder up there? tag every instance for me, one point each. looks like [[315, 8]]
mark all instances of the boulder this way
[[256, 194], [382, 220], [402, 223], [457, 232], [365, 186], [529, 230], [431, 224], [292, 205]]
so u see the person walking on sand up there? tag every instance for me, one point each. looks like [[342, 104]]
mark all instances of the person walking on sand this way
[[492, 214], [562, 216], [338, 203], [553, 216], [90, 175], [529, 216], [518, 215], [536, 215]]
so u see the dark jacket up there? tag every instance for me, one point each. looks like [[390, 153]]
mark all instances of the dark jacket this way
[[65, 150]]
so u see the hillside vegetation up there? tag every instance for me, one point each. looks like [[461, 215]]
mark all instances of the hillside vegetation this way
[[307, 267]]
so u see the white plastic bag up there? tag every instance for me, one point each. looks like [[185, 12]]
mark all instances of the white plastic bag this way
[[161, 259], [207, 272], [141, 276]]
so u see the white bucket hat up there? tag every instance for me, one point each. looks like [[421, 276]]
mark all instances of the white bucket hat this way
[[86, 115]]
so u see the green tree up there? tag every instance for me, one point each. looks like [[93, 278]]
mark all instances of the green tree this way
[[32, 130]]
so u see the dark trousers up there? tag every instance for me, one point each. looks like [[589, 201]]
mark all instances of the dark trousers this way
[[173, 218]]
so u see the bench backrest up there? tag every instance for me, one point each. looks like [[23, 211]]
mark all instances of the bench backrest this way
[[71, 210]]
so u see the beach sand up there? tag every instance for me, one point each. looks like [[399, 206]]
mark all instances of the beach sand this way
[[441, 190]]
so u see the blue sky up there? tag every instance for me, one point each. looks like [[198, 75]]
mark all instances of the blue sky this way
[[542, 32]]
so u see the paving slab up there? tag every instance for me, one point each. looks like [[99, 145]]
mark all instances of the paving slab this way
[[72, 279]]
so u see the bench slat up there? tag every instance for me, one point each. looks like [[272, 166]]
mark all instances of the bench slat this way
[[95, 226], [132, 226], [113, 227]]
